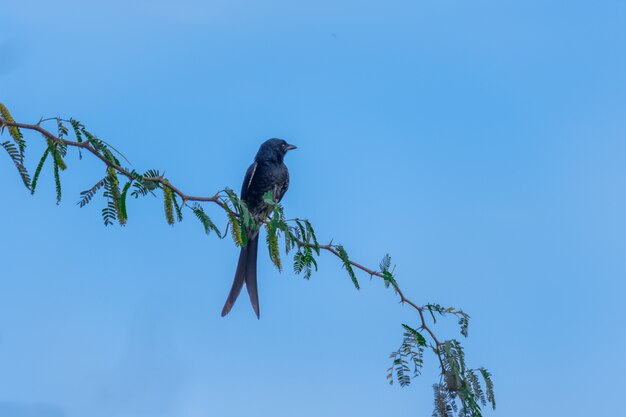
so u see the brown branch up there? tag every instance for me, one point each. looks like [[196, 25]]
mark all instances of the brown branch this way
[[217, 200], [123, 171], [371, 272]]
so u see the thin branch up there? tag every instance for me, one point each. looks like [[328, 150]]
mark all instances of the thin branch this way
[[217, 200], [88, 147], [403, 299]]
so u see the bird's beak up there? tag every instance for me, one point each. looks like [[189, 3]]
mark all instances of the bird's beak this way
[[290, 147]]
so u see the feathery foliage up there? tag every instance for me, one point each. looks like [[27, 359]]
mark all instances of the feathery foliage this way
[[241, 221], [122, 204], [444, 404], [42, 161], [143, 187], [206, 221], [87, 195], [388, 277], [100, 146], [77, 128], [112, 211], [346, 264], [463, 317], [311, 234], [57, 180], [177, 208], [461, 391], [410, 353], [18, 161], [58, 151], [491, 398], [304, 261]]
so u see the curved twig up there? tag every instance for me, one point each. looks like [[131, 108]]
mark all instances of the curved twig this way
[[213, 199], [228, 201]]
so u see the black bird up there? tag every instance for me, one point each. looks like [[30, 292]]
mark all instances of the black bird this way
[[267, 173]]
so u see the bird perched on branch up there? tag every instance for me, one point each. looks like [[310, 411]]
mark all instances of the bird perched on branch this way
[[267, 173]]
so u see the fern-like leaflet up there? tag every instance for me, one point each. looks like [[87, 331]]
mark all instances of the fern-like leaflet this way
[[206, 221], [491, 398], [38, 170], [388, 277], [177, 208], [460, 390], [123, 211], [343, 254], [87, 195], [461, 383], [18, 161], [410, 351], [57, 180], [311, 236]]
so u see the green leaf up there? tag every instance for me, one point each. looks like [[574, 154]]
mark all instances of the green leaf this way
[[18, 161], [112, 192], [57, 181], [109, 215], [346, 264], [489, 386], [56, 154], [77, 127], [302, 230], [463, 322], [384, 270], [435, 308], [443, 402], [141, 186], [289, 240], [150, 174], [33, 184], [311, 234], [87, 195], [206, 221], [385, 263], [298, 262], [418, 336], [268, 198], [123, 213], [474, 387], [179, 211], [61, 128], [101, 146]]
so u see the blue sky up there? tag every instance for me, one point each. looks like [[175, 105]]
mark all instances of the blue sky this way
[[480, 143]]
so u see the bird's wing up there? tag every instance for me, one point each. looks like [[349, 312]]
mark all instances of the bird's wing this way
[[247, 180], [281, 189]]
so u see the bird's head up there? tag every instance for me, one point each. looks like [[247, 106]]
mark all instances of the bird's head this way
[[274, 150]]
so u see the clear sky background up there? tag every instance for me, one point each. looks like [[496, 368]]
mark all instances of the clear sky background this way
[[482, 144]]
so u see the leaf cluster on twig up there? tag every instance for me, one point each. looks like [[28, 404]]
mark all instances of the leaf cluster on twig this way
[[459, 391]]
